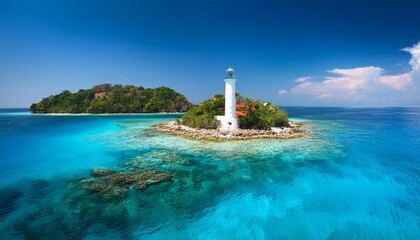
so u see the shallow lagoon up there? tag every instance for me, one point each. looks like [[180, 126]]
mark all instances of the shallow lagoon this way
[[356, 177]]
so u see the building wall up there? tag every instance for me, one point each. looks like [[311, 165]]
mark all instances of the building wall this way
[[230, 98]]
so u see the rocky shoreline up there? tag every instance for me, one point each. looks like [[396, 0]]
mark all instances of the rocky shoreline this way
[[294, 131]]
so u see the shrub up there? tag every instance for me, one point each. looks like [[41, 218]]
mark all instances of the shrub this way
[[263, 116], [259, 115], [202, 115]]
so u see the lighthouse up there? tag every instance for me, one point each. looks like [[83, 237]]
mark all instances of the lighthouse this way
[[229, 121]]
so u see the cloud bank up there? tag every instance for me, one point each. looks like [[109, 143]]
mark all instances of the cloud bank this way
[[368, 84]]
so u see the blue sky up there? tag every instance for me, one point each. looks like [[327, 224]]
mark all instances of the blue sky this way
[[292, 53]]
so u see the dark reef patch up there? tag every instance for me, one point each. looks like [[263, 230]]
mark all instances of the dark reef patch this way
[[8, 200], [109, 183], [38, 189]]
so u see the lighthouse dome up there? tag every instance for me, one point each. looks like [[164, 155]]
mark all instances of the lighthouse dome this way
[[229, 73]]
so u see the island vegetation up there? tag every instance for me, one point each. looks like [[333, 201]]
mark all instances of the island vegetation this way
[[257, 120], [107, 98], [257, 115]]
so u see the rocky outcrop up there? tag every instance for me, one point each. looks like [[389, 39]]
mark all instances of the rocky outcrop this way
[[110, 183], [294, 131], [100, 172]]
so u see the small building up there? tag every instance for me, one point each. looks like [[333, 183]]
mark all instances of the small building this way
[[99, 95], [229, 120], [240, 109]]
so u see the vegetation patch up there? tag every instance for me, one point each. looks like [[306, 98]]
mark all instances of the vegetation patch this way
[[256, 115], [202, 115], [107, 98]]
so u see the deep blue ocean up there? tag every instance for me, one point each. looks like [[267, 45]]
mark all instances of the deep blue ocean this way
[[356, 177]]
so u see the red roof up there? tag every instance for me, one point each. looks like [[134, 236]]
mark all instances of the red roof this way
[[99, 94], [240, 113]]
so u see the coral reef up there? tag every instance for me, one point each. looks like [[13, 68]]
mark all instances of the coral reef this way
[[110, 183], [161, 159]]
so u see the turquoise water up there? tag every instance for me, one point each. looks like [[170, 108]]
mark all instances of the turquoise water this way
[[356, 177]]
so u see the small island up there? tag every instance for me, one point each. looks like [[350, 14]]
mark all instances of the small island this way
[[244, 118], [107, 98]]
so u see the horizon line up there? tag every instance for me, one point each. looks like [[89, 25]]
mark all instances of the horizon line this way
[[302, 106]]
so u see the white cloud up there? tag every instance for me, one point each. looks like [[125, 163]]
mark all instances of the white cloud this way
[[367, 83], [405, 80], [303, 79], [353, 78], [282, 92], [347, 83], [399, 82], [415, 56]]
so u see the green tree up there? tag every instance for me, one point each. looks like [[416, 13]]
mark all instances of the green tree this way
[[202, 115], [259, 115], [118, 99], [262, 115]]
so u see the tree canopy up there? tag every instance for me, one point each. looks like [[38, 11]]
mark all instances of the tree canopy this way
[[262, 115], [116, 99], [259, 115], [202, 115]]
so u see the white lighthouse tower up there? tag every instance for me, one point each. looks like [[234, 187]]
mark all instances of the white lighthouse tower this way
[[229, 121]]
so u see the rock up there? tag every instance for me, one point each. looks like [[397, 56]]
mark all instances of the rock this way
[[241, 134], [111, 184], [99, 172]]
